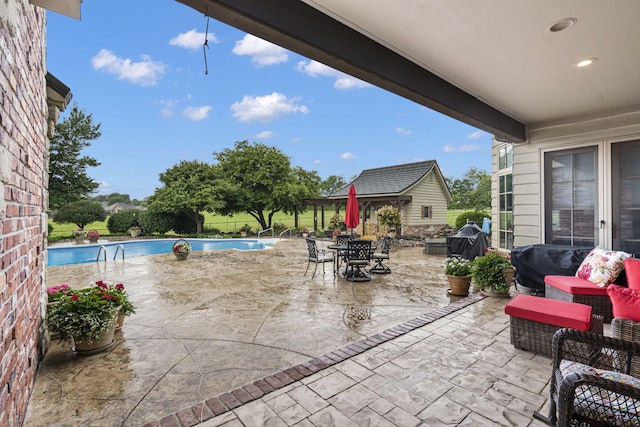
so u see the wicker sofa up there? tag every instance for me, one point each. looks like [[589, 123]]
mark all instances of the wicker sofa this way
[[575, 289], [590, 381]]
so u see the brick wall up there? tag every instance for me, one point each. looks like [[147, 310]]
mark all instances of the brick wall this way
[[23, 183]]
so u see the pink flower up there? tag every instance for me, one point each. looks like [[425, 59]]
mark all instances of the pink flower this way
[[120, 287], [74, 297]]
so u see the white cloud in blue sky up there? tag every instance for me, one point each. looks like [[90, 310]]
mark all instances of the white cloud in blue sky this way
[[460, 148], [144, 73], [403, 131], [348, 156], [262, 52], [192, 40], [266, 108], [342, 80], [475, 135], [196, 113], [265, 134]]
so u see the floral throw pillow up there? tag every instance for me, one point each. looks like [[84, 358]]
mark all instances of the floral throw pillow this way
[[601, 266]]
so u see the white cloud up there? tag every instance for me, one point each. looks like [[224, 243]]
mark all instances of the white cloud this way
[[196, 113], [168, 106], [348, 156], [266, 108], [317, 162], [460, 149], [262, 52], [343, 81], [192, 40], [144, 73], [403, 131], [265, 134], [475, 135]]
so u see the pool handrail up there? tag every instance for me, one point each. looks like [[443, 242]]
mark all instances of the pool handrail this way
[[116, 253], [103, 250], [284, 231], [265, 230]]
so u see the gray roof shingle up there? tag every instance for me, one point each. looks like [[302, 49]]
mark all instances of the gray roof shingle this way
[[387, 180]]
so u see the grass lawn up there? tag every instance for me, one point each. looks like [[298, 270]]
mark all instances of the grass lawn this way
[[229, 224]]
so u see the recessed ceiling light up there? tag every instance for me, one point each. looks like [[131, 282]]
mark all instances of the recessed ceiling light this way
[[562, 25], [585, 62]]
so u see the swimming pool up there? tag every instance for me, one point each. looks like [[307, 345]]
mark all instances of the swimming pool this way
[[80, 254]]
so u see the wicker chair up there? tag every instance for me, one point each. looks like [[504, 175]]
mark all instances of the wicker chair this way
[[595, 391], [318, 257], [380, 257], [627, 330]]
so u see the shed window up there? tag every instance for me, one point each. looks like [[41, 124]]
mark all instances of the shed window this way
[[427, 212]]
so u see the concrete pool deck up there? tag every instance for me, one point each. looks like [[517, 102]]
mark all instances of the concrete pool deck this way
[[223, 320]]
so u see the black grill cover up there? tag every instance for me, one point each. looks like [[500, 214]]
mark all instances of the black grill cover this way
[[470, 242], [534, 262]]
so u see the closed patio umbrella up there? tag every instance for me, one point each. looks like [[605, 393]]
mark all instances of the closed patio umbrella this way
[[352, 214]]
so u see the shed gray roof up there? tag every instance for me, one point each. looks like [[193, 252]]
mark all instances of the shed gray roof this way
[[388, 180]]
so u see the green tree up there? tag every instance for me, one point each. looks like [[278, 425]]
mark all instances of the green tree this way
[[472, 191], [332, 184], [80, 213], [68, 179], [262, 182], [190, 187]]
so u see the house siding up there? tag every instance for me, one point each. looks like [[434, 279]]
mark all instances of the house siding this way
[[23, 185], [427, 192], [528, 174]]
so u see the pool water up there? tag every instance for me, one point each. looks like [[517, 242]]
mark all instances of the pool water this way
[[80, 254]]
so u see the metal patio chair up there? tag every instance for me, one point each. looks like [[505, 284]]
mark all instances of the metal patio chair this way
[[358, 258], [317, 256], [380, 257]]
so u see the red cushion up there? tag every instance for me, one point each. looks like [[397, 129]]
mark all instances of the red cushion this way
[[625, 302], [574, 285], [632, 270], [552, 312]]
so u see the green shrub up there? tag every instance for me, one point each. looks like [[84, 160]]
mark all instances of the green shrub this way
[[120, 222], [475, 216], [156, 222], [185, 224], [487, 271]]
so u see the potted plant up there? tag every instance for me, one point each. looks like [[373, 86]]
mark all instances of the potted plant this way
[[79, 234], [93, 236], [458, 271], [244, 230], [122, 299], [181, 249], [135, 230], [304, 231], [493, 274], [389, 217], [87, 317]]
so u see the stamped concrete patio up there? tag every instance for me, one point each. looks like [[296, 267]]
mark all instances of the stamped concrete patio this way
[[225, 328]]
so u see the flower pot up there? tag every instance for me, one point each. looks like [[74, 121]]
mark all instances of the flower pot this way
[[459, 285], [243, 234], [104, 341], [120, 321], [491, 292], [80, 240], [93, 240], [305, 234], [181, 257], [134, 233], [508, 274]]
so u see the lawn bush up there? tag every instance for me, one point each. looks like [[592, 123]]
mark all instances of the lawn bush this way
[[120, 222], [475, 216], [156, 222]]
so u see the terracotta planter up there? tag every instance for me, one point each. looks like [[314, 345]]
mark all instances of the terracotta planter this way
[[459, 285], [120, 321]]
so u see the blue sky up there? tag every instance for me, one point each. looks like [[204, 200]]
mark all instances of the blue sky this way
[[139, 68]]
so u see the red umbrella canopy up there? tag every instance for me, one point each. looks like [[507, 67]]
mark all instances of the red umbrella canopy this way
[[352, 215]]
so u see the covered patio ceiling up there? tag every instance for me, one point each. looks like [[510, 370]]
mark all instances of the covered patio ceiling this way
[[495, 65]]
